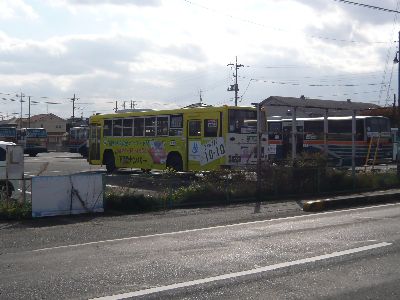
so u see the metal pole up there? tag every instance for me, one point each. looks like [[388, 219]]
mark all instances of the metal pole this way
[[353, 147], [326, 133], [236, 84], [398, 77], [257, 207], [29, 112], [294, 133], [20, 123]]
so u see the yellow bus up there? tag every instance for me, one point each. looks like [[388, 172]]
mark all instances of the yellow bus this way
[[187, 139]]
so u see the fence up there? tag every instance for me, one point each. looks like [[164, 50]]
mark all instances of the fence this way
[[285, 181], [56, 195]]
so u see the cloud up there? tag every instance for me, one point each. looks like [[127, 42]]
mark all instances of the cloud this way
[[113, 50], [69, 55], [11, 9], [356, 13], [114, 2], [112, 66]]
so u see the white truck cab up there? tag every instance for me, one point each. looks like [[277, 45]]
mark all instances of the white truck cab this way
[[11, 168]]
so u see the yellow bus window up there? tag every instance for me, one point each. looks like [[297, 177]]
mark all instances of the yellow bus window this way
[[138, 126], [117, 127], [107, 128], [127, 123], [194, 128], [162, 126], [150, 126], [176, 125], [210, 127]]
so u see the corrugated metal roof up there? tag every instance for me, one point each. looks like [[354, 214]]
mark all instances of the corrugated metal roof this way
[[316, 103]]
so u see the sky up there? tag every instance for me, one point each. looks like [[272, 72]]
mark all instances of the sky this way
[[164, 54]]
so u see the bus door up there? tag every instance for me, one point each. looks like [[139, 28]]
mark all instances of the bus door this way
[[206, 149], [94, 143]]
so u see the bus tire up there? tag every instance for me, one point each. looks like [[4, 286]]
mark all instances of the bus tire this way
[[32, 154], [109, 161], [83, 151], [174, 161], [4, 191]]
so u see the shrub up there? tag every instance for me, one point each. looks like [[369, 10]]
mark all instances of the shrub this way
[[126, 199], [15, 210]]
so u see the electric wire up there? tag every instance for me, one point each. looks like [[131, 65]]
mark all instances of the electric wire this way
[[278, 29], [369, 6]]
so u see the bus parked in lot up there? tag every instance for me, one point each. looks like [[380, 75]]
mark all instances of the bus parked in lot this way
[[34, 140], [203, 138], [78, 137], [8, 134], [373, 138], [11, 172]]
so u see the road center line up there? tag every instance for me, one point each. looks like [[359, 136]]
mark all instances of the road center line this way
[[243, 273], [203, 229]]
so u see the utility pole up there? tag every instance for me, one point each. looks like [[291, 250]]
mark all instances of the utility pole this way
[[116, 106], [123, 105], [73, 109], [396, 61], [29, 112], [201, 98], [21, 95], [235, 87], [398, 77]]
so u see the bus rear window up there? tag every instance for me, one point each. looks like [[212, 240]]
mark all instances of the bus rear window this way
[[8, 132], [242, 121], [39, 132], [378, 125]]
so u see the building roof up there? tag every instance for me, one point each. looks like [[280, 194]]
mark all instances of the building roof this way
[[317, 103], [42, 117]]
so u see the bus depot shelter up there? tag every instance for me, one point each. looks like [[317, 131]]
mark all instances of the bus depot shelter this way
[[293, 108]]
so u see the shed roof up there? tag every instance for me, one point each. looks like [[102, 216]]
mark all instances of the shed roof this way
[[317, 103]]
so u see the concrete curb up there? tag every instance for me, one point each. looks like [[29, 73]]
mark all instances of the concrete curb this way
[[352, 200]]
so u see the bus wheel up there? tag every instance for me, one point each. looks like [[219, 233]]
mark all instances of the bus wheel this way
[[4, 192], [109, 161], [83, 151], [32, 154], [174, 161]]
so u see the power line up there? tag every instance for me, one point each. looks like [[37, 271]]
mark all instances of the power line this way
[[388, 56], [247, 87], [277, 29], [298, 83], [369, 6]]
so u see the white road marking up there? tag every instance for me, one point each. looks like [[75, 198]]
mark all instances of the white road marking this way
[[206, 228], [242, 273]]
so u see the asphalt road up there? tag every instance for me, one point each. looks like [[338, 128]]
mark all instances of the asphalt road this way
[[351, 254], [65, 163], [57, 163]]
